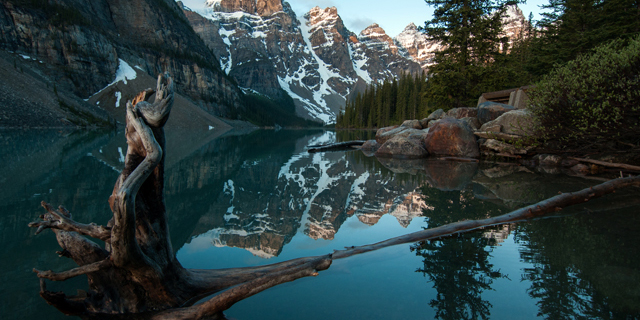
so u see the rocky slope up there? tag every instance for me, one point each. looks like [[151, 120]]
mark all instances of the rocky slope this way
[[316, 60], [80, 45]]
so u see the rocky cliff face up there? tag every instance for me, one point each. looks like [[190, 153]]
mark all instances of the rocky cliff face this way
[[514, 23], [317, 60], [80, 43], [415, 45]]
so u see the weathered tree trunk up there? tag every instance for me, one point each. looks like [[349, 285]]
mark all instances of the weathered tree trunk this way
[[137, 274]]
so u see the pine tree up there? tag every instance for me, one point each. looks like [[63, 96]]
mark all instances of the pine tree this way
[[471, 31]]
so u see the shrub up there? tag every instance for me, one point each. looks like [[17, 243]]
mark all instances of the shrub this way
[[592, 102]]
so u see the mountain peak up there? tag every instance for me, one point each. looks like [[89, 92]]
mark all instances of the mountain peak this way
[[259, 7], [410, 27], [375, 36]]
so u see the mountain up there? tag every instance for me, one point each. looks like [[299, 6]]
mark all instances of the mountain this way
[[80, 44], [415, 45], [316, 61]]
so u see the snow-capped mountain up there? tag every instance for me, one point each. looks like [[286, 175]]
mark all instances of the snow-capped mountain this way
[[317, 61], [415, 45]]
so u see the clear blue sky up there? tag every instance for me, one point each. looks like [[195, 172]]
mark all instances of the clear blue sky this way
[[393, 16]]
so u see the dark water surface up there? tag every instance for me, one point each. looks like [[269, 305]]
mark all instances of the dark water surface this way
[[260, 198]]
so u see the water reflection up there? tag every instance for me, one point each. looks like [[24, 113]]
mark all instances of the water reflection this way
[[459, 266], [237, 199]]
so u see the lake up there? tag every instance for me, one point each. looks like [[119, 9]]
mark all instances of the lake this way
[[258, 198]]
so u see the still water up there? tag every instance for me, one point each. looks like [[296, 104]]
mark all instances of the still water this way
[[260, 198]]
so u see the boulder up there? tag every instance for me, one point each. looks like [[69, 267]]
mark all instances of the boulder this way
[[413, 124], [401, 146], [382, 135], [489, 110], [436, 115], [451, 137], [520, 122], [369, 147], [460, 113], [473, 122], [548, 159], [418, 135], [503, 147]]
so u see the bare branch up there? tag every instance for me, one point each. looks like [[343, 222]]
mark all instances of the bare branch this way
[[215, 306], [62, 276], [61, 219]]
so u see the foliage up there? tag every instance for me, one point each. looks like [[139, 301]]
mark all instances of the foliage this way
[[574, 27], [264, 111], [592, 101], [385, 104], [471, 30]]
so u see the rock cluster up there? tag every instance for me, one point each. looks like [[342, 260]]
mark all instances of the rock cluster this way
[[491, 128]]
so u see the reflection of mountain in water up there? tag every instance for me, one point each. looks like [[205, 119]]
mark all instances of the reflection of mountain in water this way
[[268, 200]]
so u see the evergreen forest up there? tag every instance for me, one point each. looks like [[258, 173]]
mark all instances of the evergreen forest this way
[[477, 57]]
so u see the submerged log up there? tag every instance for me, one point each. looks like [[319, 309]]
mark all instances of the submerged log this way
[[339, 146], [136, 273]]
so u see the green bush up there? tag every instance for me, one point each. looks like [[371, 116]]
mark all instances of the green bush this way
[[592, 102]]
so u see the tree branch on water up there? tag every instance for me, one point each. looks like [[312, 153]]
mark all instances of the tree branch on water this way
[[137, 274]]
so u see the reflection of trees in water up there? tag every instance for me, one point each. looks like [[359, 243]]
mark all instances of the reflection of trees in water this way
[[460, 271], [584, 266], [458, 266]]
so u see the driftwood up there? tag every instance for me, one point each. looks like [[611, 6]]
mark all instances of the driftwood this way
[[499, 136], [340, 146], [623, 166], [136, 273]]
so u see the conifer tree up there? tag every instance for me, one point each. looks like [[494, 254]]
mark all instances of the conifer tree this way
[[471, 31]]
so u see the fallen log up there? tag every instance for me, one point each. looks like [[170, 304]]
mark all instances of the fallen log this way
[[340, 146], [539, 209], [609, 164]]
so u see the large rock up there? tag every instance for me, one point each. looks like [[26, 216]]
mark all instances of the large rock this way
[[413, 124], [451, 137], [382, 136], [489, 110], [473, 122], [370, 147], [402, 147], [460, 113], [520, 122], [399, 131]]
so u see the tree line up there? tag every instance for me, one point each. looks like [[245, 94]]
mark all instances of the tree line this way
[[477, 56]]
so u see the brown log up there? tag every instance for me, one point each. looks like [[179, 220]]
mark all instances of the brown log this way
[[335, 146], [623, 166], [533, 211]]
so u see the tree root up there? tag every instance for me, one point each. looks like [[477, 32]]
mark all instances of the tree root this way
[[62, 276], [61, 219]]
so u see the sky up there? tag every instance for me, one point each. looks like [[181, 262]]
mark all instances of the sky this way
[[393, 16]]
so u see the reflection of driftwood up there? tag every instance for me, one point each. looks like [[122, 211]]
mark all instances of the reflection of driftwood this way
[[340, 146], [136, 274], [459, 159], [609, 164]]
